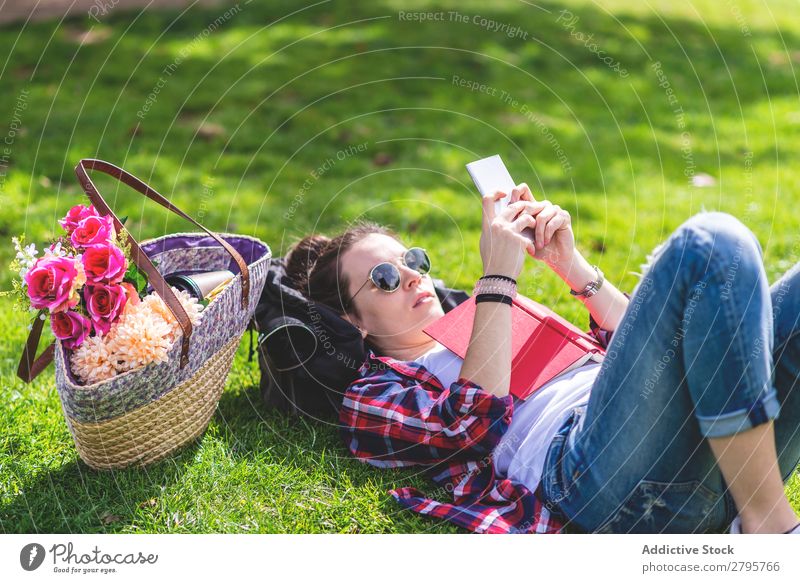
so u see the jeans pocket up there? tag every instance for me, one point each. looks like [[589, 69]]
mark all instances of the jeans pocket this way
[[551, 481], [665, 507]]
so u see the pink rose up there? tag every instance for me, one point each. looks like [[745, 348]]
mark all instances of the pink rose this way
[[75, 215], [106, 263], [105, 303], [70, 327], [93, 231], [52, 282]]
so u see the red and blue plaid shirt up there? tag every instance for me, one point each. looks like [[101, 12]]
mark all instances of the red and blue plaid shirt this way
[[398, 414]]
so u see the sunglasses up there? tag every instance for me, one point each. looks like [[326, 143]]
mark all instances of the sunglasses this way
[[386, 276]]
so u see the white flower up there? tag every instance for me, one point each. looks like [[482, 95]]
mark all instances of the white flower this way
[[26, 254], [55, 250], [26, 257]]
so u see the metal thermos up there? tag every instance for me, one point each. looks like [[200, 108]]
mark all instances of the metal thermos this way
[[200, 284]]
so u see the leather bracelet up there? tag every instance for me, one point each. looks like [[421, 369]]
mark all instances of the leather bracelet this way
[[501, 298]]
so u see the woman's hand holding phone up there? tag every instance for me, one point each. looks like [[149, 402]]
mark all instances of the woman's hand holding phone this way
[[513, 222], [554, 238], [502, 244]]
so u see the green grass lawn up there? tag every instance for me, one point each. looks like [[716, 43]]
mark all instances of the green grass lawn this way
[[278, 120]]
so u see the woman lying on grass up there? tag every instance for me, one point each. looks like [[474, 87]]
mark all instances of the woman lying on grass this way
[[676, 431]]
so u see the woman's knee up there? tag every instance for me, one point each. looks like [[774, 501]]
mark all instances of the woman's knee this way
[[721, 246], [709, 237], [724, 235]]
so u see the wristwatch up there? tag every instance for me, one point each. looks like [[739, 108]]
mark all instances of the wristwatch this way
[[592, 287]]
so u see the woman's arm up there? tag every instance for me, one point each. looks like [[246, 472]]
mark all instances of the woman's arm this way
[[487, 362], [608, 305], [488, 358]]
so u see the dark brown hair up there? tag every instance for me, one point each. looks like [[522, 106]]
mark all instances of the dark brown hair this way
[[313, 265]]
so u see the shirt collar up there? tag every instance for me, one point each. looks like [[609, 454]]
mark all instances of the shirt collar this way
[[407, 368]]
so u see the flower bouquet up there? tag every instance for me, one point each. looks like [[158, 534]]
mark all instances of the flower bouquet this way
[[139, 374], [96, 298]]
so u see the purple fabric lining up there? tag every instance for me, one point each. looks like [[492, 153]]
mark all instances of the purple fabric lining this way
[[250, 249]]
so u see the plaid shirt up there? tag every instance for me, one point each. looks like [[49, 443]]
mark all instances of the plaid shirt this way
[[398, 414]]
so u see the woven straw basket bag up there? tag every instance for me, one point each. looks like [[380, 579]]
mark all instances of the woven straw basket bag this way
[[143, 415]]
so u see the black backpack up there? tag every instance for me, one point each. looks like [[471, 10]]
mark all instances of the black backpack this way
[[307, 353]]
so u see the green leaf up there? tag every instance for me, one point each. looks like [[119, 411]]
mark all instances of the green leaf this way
[[137, 277], [123, 219]]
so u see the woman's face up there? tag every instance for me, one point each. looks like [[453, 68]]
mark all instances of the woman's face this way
[[393, 320]]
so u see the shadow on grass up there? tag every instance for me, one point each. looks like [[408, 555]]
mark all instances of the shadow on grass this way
[[317, 466], [77, 499], [296, 475]]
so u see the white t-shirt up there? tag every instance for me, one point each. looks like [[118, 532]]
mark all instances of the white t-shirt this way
[[521, 452]]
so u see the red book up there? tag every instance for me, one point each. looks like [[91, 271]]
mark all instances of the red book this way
[[543, 344]]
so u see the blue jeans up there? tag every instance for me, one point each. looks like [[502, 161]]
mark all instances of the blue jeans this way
[[705, 349]]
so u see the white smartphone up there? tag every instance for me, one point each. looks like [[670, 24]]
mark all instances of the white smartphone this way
[[490, 175]]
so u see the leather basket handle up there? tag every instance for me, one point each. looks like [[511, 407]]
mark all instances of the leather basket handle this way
[[138, 256], [29, 367]]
